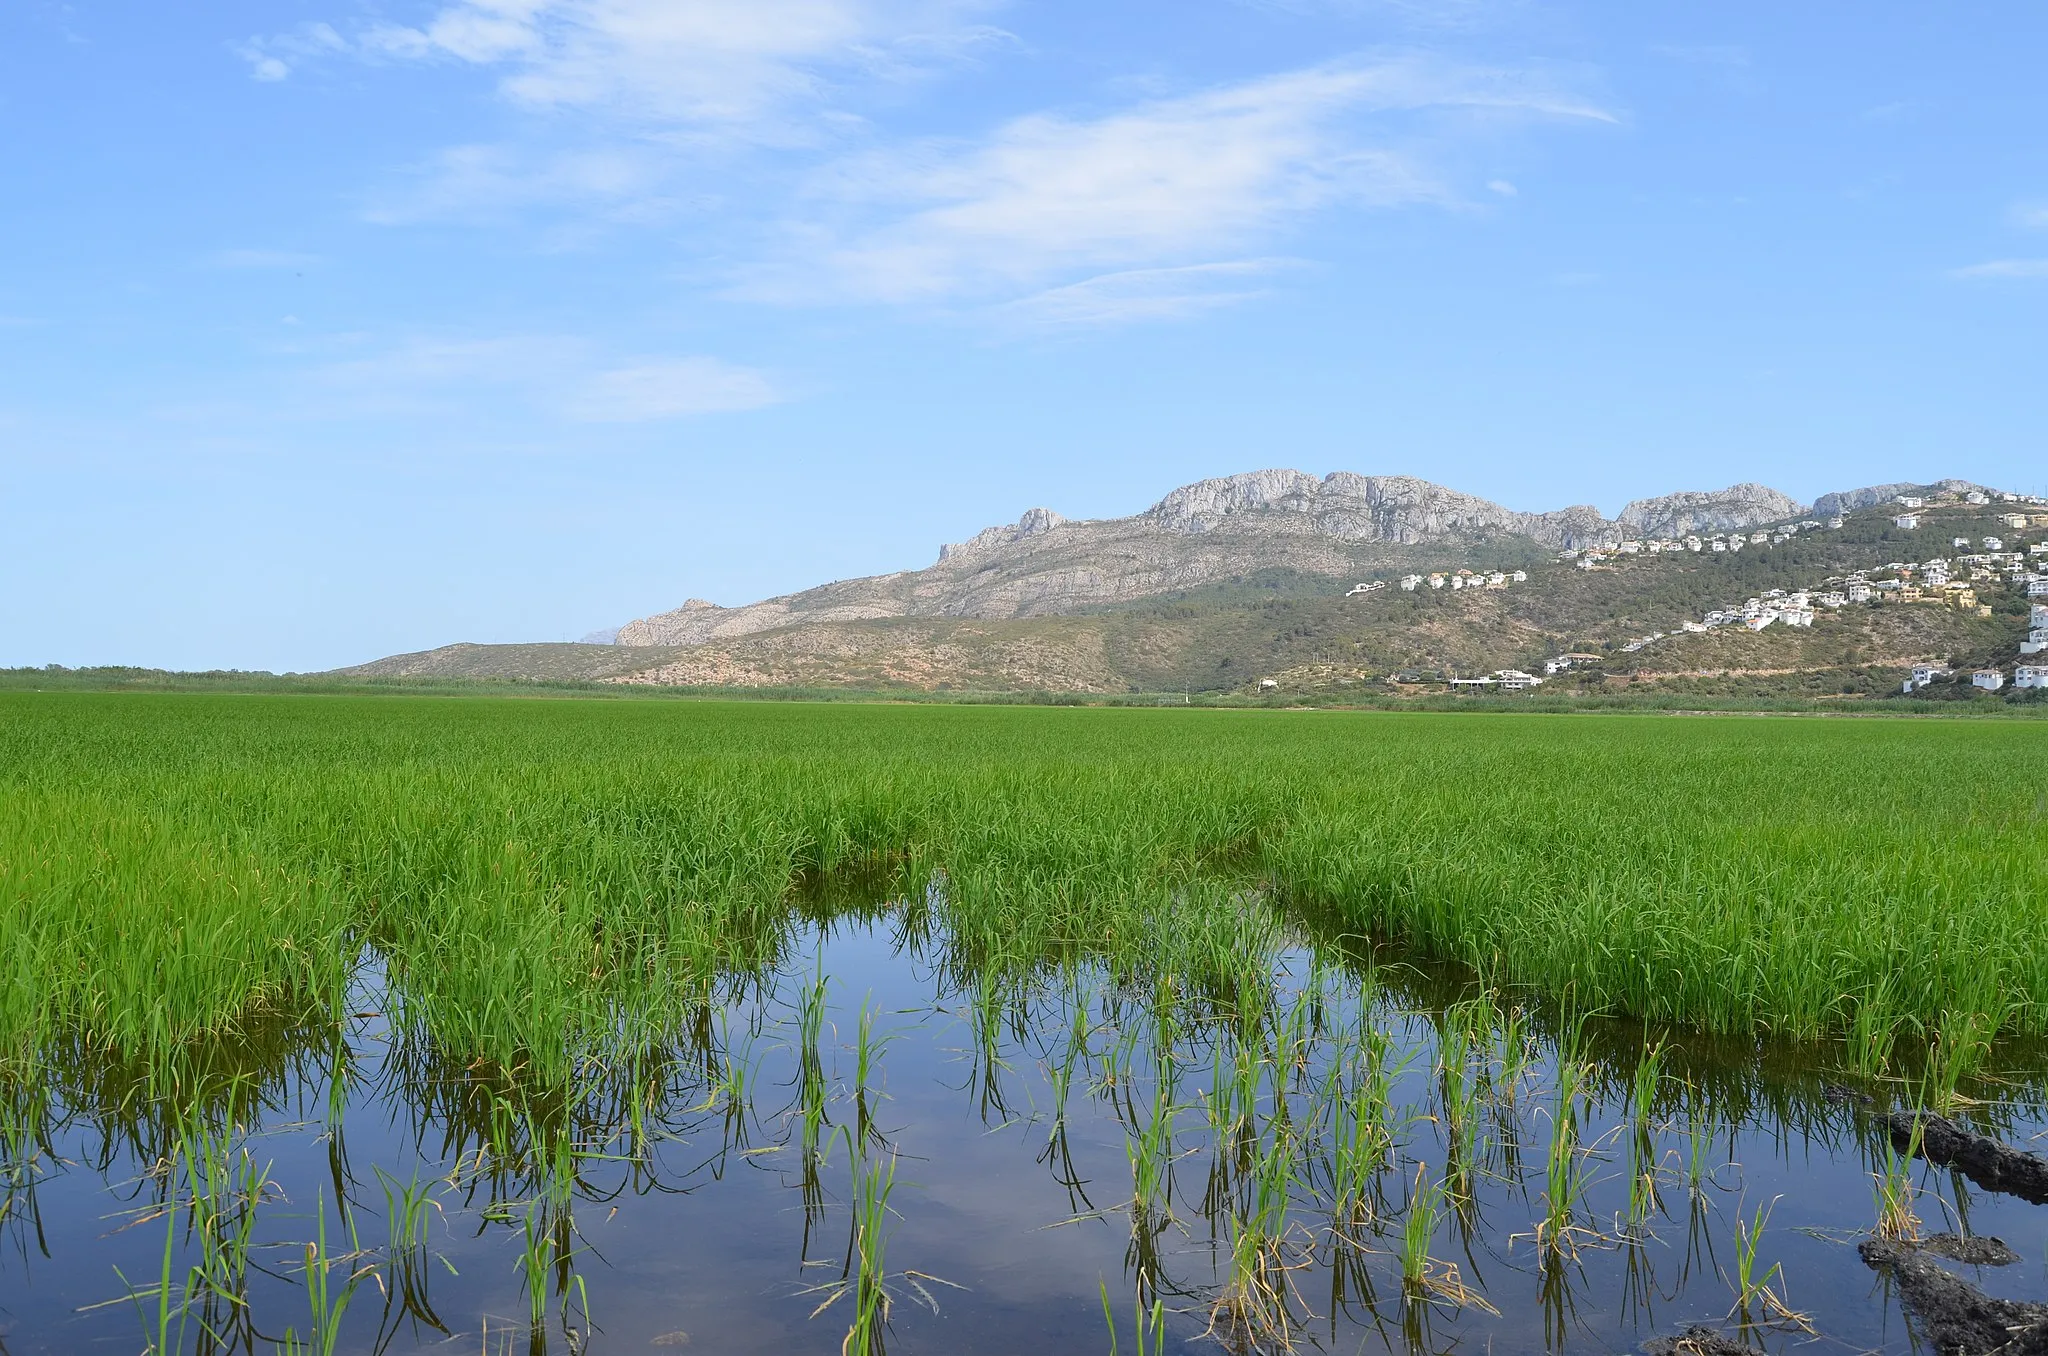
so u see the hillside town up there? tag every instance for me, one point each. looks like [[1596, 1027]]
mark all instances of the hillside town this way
[[1952, 579]]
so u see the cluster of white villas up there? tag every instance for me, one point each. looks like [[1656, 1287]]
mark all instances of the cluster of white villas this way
[[1459, 579], [1941, 580], [1507, 680], [1464, 579], [1991, 680], [1717, 542]]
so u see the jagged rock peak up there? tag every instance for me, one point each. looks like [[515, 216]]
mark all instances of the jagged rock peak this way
[[1200, 506], [1033, 523], [1848, 501], [1738, 506], [1346, 505]]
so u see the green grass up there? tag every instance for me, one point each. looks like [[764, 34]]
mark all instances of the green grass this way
[[552, 888]]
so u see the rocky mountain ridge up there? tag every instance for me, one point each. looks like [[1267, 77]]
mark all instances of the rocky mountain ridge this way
[[1229, 527]]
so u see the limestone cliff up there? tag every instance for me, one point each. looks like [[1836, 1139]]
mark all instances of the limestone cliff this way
[[1736, 508], [1339, 525]]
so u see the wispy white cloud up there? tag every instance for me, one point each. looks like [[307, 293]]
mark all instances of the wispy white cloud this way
[[1429, 15], [617, 182], [2032, 215], [272, 58], [757, 69], [558, 376], [2004, 268], [1110, 203], [670, 388], [1160, 184], [1144, 294]]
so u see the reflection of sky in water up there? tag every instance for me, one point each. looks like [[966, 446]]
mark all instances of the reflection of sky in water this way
[[711, 1242]]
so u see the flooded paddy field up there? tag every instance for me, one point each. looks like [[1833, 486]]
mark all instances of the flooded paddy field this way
[[497, 1026], [867, 1150]]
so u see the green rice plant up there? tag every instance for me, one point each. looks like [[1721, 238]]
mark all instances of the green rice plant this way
[[1364, 1126], [1961, 1041], [327, 1299], [1642, 1162], [1566, 1173], [1059, 1072], [1873, 1029], [1150, 1324], [1258, 1301], [1753, 1287], [873, 1184], [1150, 1151], [812, 1116], [408, 1208], [550, 901], [1458, 1100], [867, 1054], [1514, 1047], [165, 1307], [1424, 1278], [1896, 1217], [536, 1261], [1418, 1228]]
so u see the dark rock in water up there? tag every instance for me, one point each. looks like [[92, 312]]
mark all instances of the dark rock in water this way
[[1978, 1252], [1955, 1317], [1696, 1341], [1983, 1160]]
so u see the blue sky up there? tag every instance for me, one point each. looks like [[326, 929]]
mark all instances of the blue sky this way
[[331, 329]]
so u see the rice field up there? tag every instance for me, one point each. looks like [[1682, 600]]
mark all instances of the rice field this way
[[1300, 1022]]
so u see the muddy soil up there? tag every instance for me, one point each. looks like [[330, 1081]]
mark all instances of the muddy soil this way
[[1991, 1165], [1954, 1317]]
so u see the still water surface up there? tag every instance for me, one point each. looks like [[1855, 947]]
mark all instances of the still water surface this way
[[1281, 1160]]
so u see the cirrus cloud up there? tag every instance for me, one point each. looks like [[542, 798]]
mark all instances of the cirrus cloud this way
[[1161, 184], [2004, 268]]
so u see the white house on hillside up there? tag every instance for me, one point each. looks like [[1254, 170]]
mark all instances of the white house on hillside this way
[[2030, 675], [1989, 679]]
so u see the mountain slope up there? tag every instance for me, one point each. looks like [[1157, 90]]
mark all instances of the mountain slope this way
[[1339, 526], [1228, 581]]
